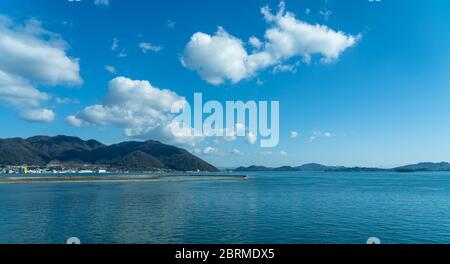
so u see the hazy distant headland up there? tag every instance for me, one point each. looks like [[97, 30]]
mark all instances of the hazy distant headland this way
[[314, 167]]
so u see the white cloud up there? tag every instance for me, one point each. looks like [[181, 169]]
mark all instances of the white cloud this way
[[283, 153], [255, 42], [294, 134], [146, 47], [210, 150], [222, 57], [31, 56], [216, 58], [168, 132], [130, 103], [19, 93], [266, 153], [319, 134], [289, 37], [110, 69], [101, 2], [35, 54], [38, 115], [122, 54], [74, 121], [142, 110], [115, 44]]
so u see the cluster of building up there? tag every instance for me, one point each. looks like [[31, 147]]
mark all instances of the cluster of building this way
[[52, 170]]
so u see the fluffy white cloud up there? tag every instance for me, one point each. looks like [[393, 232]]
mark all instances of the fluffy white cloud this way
[[33, 53], [74, 121], [142, 110], [222, 57], [38, 115], [217, 57], [290, 37], [146, 47], [255, 42], [30, 56], [101, 2], [170, 132], [18, 92], [135, 105]]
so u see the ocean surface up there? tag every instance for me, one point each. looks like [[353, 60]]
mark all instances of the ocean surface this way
[[275, 207]]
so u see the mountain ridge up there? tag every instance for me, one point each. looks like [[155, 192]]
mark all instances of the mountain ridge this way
[[311, 167], [129, 155]]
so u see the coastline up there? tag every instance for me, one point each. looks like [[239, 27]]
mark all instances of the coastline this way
[[116, 179]]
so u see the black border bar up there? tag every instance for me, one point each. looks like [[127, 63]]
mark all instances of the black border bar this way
[[282, 253]]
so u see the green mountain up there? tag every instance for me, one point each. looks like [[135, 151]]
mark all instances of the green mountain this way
[[138, 156]]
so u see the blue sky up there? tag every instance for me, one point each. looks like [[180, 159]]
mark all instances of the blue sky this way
[[382, 102]]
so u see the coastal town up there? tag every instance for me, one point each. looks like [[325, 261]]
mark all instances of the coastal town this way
[[54, 170], [59, 168]]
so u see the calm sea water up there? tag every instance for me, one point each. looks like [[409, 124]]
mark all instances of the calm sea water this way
[[276, 207]]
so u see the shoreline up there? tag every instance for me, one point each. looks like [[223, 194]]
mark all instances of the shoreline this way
[[117, 179]]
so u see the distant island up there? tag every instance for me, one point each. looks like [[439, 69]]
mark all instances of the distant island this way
[[314, 167], [68, 153]]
